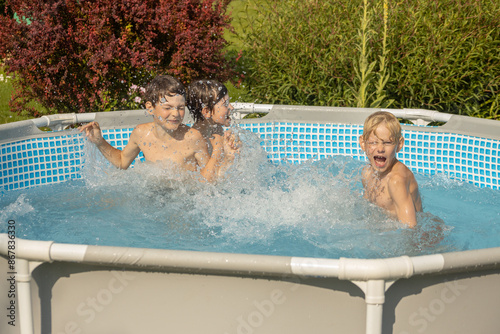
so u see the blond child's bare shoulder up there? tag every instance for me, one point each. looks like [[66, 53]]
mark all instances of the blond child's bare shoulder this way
[[401, 178], [401, 170]]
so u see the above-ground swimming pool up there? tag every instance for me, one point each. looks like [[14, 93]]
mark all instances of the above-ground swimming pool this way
[[285, 244]]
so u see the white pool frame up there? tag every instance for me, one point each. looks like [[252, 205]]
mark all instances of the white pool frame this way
[[63, 288]]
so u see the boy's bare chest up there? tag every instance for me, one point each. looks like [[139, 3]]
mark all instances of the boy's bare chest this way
[[174, 150], [377, 192]]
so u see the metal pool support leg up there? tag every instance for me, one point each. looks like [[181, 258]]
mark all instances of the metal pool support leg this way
[[23, 279], [374, 297]]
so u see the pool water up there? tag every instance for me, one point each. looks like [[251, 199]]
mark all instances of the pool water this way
[[313, 209]]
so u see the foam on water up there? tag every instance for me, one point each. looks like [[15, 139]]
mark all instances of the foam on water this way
[[18, 208], [313, 209]]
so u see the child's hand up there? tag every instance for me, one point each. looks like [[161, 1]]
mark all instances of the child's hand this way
[[92, 132], [232, 143]]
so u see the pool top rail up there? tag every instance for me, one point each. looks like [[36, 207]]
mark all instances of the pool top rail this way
[[129, 118]]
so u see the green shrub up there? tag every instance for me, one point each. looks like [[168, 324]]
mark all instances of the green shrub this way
[[445, 56], [297, 52], [433, 54]]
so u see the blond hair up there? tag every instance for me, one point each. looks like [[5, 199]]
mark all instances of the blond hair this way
[[374, 120]]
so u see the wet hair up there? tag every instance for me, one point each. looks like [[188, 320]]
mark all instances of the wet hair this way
[[379, 117], [204, 94], [163, 85]]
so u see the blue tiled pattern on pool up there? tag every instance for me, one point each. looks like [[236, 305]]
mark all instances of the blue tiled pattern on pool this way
[[38, 161]]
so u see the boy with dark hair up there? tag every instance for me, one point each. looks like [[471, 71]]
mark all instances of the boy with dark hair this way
[[165, 138]]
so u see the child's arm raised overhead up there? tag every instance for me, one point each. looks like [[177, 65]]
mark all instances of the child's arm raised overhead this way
[[400, 193], [120, 159]]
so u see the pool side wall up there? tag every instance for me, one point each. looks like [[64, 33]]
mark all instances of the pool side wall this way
[[289, 134], [85, 298]]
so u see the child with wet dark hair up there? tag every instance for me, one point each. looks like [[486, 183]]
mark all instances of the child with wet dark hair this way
[[209, 104], [166, 138], [203, 96]]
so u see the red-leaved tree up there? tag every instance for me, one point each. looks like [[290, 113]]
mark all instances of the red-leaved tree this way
[[87, 56]]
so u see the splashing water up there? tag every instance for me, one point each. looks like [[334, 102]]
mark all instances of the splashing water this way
[[312, 209], [18, 208]]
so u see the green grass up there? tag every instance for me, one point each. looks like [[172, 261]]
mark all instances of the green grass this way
[[7, 116]]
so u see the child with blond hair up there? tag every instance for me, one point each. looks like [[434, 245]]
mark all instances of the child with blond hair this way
[[388, 183]]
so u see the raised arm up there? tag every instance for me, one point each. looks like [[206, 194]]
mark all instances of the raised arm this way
[[119, 159], [232, 146], [403, 202]]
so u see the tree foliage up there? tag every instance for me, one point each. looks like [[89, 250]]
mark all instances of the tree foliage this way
[[88, 56]]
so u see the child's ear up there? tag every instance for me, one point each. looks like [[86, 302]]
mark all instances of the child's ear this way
[[400, 144], [362, 142], [207, 113], [149, 107]]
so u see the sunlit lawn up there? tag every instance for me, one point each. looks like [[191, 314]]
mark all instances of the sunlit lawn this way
[[6, 116]]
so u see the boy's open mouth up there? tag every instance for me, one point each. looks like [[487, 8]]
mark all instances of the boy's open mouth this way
[[379, 160]]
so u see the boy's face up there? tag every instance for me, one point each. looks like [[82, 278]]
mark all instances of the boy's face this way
[[168, 112], [381, 148], [222, 111]]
